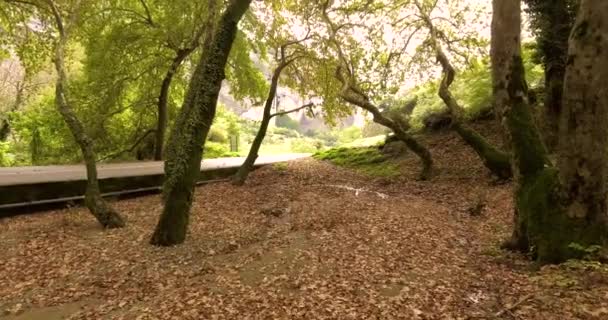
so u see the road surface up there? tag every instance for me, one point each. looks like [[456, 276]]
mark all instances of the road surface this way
[[31, 175]]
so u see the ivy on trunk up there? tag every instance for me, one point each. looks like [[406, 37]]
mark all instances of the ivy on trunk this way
[[185, 147]]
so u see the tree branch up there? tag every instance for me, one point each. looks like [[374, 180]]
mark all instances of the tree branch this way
[[282, 113], [130, 149]]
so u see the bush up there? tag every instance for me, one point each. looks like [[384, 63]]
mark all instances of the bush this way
[[216, 134], [6, 158], [305, 145], [349, 134], [215, 150], [287, 122], [289, 133]]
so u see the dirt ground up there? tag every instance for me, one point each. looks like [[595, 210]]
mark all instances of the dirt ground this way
[[305, 241]]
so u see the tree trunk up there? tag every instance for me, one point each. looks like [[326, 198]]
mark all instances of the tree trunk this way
[[553, 22], [241, 175], [420, 150], [354, 96], [106, 216], [559, 212], [583, 156], [497, 161], [163, 98], [505, 47], [185, 147]]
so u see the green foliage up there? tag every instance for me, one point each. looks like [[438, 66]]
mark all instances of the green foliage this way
[[349, 135], [247, 81], [472, 88], [286, 121], [40, 122], [7, 159], [216, 134], [215, 150], [368, 160], [305, 145], [586, 252]]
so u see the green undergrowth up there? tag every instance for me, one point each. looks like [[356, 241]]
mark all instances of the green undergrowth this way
[[368, 160]]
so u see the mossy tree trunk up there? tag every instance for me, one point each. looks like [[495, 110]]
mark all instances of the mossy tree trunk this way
[[557, 209], [104, 213], [163, 99], [354, 96], [497, 161], [186, 143]]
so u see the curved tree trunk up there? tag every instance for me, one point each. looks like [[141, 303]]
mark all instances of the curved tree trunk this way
[[497, 161], [185, 148], [163, 98], [241, 175], [353, 95], [106, 216], [420, 150], [560, 211]]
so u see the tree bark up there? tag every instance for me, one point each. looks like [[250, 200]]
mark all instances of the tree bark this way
[[583, 156], [163, 98], [505, 45], [104, 213], [185, 147], [558, 211]]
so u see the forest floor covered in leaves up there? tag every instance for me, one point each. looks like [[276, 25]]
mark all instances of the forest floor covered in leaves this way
[[304, 241]]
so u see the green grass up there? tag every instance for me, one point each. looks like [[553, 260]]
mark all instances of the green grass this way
[[366, 142], [368, 160]]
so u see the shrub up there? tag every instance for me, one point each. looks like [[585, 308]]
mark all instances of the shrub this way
[[215, 150], [305, 145], [216, 134], [287, 122]]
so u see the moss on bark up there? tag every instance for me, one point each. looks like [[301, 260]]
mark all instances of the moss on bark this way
[[498, 162], [185, 148]]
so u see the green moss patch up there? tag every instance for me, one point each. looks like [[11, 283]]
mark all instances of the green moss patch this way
[[368, 160]]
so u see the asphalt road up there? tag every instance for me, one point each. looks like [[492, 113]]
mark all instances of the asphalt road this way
[[29, 175]]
